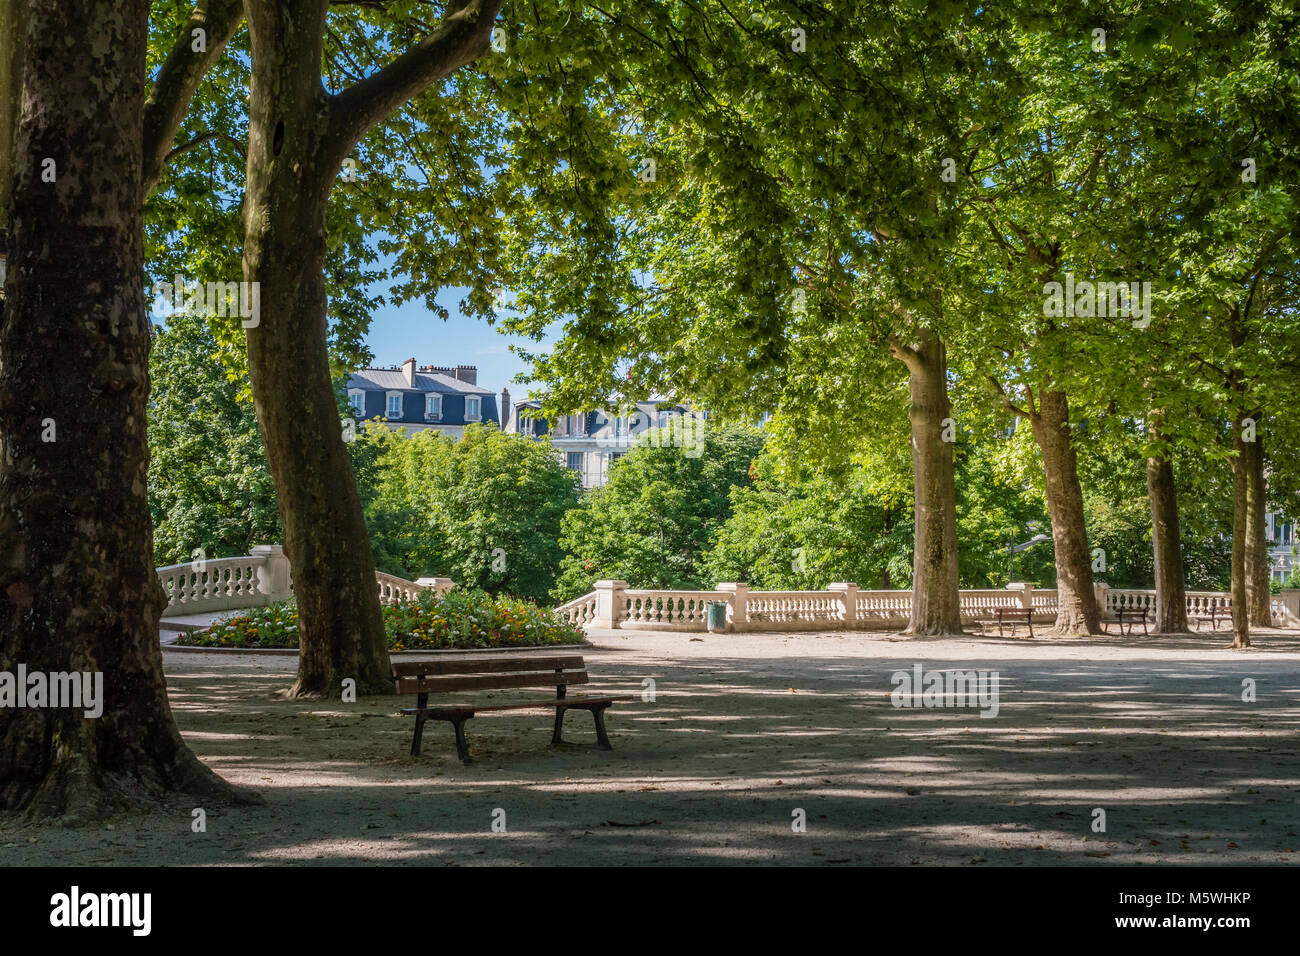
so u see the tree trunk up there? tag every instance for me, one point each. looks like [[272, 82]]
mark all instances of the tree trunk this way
[[289, 178], [1240, 491], [1258, 598], [1077, 612], [936, 604], [78, 591], [1166, 544]]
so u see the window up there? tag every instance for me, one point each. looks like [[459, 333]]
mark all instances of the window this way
[[577, 424], [394, 404], [358, 402], [574, 460], [618, 426], [471, 409], [663, 419], [432, 406]]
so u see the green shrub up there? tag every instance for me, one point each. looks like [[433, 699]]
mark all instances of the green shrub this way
[[459, 619]]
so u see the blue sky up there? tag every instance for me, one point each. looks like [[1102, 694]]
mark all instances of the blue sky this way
[[400, 332]]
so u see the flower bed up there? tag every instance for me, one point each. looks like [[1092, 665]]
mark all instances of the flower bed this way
[[460, 619]]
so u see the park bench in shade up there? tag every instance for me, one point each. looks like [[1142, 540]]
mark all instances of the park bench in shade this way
[[468, 674], [1214, 614], [1009, 616]]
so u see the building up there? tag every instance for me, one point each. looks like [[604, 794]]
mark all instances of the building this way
[[590, 442], [427, 397]]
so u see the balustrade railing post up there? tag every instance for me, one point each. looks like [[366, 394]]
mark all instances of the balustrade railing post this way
[[1101, 590], [737, 604], [1025, 591], [1290, 598], [610, 603], [273, 573], [848, 592]]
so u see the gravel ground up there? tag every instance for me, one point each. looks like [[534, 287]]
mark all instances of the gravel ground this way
[[745, 731]]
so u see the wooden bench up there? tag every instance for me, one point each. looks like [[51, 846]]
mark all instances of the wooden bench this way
[[1011, 616], [446, 676], [1127, 615], [1217, 613]]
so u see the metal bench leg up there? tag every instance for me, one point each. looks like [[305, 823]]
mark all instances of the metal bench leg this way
[[602, 740], [419, 732], [422, 701], [462, 748], [559, 720]]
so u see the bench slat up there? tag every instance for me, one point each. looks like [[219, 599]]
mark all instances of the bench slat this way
[[574, 702], [487, 665], [455, 682]]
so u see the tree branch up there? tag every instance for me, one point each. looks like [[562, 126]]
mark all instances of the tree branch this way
[[179, 78], [1006, 399], [200, 140], [460, 39]]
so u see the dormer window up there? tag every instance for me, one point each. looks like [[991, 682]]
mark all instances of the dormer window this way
[[433, 406], [577, 424], [394, 404], [472, 410], [357, 399]]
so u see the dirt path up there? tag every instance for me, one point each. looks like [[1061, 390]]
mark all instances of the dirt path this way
[[744, 731]]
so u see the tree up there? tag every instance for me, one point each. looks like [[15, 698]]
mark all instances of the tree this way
[[652, 523], [484, 510], [758, 240], [210, 488], [299, 137], [803, 531], [73, 477]]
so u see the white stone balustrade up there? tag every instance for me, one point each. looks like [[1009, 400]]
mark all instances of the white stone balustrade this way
[[844, 606], [258, 579]]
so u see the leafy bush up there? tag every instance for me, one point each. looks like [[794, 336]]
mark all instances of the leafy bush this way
[[470, 618], [484, 510], [460, 619]]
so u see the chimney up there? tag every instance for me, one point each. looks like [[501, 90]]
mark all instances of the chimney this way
[[408, 372], [467, 373], [505, 409]]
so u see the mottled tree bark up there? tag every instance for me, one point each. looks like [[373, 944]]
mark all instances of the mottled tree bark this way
[[298, 138], [1258, 599], [1240, 490], [78, 591], [1166, 542], [1077, 614], [342, 632], [936, 604]]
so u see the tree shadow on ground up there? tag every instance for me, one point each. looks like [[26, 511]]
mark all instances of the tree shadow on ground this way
[[717, 768]]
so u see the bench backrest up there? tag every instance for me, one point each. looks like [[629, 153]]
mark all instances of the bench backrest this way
[[488, 673]]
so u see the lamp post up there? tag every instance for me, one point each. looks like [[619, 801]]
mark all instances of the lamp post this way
[[1014, 549], [4, 255]]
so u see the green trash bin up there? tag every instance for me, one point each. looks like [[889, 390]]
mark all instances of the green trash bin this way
[[717, 619]]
